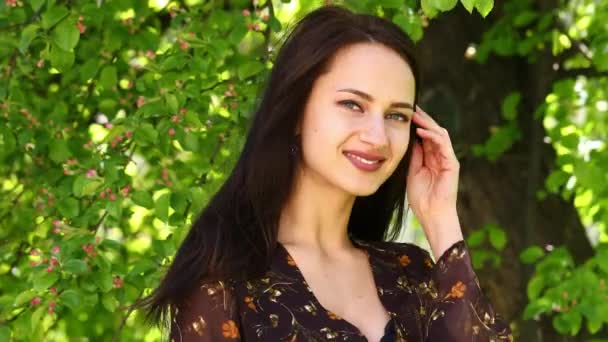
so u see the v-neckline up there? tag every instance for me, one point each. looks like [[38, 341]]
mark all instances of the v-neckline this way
[[375, 278]]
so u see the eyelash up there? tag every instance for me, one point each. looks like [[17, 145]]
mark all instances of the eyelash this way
[[404, 118]]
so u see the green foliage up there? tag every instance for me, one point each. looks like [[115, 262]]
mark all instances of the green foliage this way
[[571, 294], [432, 7], [486, 244], [504, 136], [574, 118]]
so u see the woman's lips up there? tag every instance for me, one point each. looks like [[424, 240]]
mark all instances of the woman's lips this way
[[362, 163]]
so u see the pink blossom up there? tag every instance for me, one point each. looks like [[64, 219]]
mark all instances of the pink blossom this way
[[140, 101]]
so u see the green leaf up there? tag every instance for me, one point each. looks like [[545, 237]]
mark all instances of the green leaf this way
[[509, 105], [52, 16], [60, 59], [179, 201], [5, 333], [161, 207], [24, 297], [476, 238], [537, 307], [68, 207], [524, 18], [45, 281], [172, 104], [390, 3], [71, 299], [555, 180], [75, 266], [114, 209], [27, 35], [36, 5], [535, 287], [594, 324], [103, 281], [174, 62], [444, 5], [8, 142], [484, 7], [142, 267], [479, 258], [498, 238], [37, 316], [469, 5], [142, 198], [249, 68], [428, 8], [108, 78], [59, 151], [531, 254], [109, 302], [411, 24], [275, 24], [84, 186], [145, 135], [568, 323], [66, 35]]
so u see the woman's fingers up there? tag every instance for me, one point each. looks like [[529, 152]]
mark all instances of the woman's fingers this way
[[442, 141], [424, 120]]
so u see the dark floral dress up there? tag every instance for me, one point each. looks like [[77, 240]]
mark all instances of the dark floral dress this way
[[427, 301]]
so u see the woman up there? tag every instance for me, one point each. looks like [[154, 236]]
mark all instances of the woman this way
[[292, 247]]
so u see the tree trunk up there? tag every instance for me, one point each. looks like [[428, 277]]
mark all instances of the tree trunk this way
[[465, 97]]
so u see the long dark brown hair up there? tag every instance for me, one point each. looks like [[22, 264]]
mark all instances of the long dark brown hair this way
[[235, 235]]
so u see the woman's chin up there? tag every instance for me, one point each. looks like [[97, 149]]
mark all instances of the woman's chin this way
[[362, 191]]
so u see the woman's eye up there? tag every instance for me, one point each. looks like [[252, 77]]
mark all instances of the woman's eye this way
[[399, 117], [350, 104]]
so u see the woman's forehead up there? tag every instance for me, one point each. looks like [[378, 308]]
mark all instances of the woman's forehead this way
[[372, 68]]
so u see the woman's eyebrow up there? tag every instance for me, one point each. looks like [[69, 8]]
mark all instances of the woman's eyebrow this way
[[368, 97]]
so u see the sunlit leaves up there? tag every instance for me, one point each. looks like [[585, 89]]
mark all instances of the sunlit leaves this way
[[531, 254], [486, 243], [27, 35], [484, 6], [249, 68], [502, 137], [432, 7], [53, 15], [66, 35], [411, 24]]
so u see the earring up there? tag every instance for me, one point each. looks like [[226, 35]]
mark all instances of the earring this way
[[294, 146], [294, 149]]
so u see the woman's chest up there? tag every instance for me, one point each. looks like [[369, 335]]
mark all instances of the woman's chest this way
[[281, 306]]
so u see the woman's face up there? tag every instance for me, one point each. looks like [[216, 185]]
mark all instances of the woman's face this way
[[356, 123]]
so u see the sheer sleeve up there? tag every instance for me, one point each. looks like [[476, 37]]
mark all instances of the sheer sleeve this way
[[209, 314], [455, 309]]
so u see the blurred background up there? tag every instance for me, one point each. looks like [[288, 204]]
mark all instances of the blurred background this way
[[119, 119]]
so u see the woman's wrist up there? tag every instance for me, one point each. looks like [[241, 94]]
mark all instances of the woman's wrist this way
[[442, 232]]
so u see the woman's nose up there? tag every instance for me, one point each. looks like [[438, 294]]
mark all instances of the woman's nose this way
[[374, 132]]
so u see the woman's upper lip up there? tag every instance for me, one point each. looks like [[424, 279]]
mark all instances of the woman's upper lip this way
[[365, 155]]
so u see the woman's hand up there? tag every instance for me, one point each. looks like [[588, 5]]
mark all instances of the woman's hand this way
[[432, 184]]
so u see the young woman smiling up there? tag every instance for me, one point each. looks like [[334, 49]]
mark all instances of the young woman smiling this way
[[298, 244]]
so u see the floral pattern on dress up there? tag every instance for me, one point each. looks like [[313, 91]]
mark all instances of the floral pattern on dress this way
[[426, 301]]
